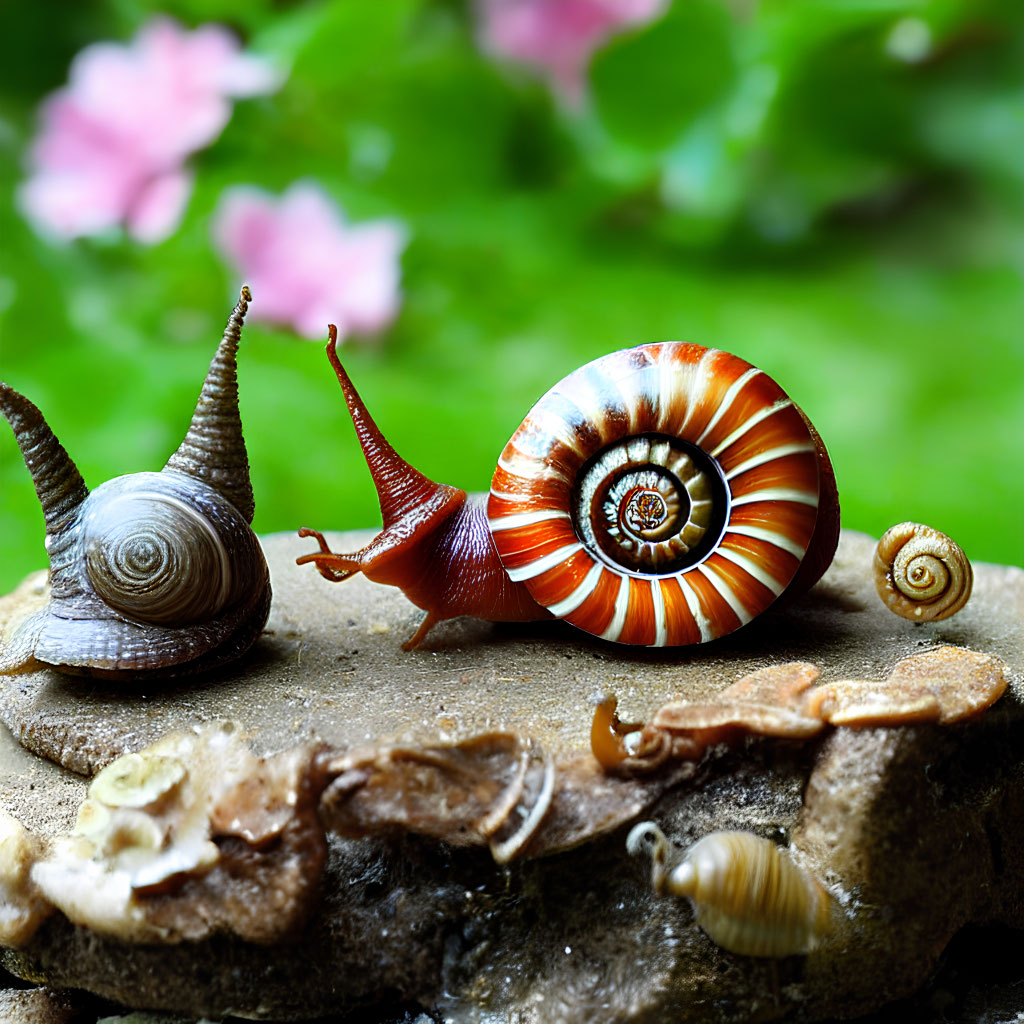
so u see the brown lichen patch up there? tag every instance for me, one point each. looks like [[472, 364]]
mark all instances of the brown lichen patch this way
[[769, 702], [944, 685], [497, 789], [460, 793], [191, 836]]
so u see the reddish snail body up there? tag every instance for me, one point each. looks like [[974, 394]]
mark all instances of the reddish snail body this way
[[662, 495]]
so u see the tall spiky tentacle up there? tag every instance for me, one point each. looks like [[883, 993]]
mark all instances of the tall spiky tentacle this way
[[435, 545], [58, 483], [213, 450]]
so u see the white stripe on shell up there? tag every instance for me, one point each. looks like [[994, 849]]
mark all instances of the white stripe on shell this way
[[777, 494], [778, 540], [722, 586], [541, 565], [770, 456], [555, 427], [693, 603], [516, 519], [761, 414], [660, 630], [527, 470], [695, 385], [730, 396], [751, 567], [588, 585], [614, 630]]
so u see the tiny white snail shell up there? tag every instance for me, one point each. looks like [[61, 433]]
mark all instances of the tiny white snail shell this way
[[747, 893], [921, 574]]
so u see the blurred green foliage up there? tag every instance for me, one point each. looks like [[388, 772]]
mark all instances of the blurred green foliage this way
[[832, 189]]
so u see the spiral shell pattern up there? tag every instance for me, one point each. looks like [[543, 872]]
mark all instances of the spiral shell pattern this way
[[660, 495], [155, 558], [921, 574]]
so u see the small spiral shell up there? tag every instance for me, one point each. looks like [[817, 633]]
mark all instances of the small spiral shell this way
[[663, 495], [921, 574], [155, 558], [748, 894]]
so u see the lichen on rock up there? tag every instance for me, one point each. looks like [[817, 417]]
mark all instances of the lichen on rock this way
[[22, 906], [192, 835]]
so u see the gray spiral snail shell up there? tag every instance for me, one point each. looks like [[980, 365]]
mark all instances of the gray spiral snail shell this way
[[748, 894], [921, 574], [151, 573]]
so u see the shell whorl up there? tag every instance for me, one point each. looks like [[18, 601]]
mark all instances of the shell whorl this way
[[156, 558], [748, 894], [921, 574], [214, 449], [661, 495]]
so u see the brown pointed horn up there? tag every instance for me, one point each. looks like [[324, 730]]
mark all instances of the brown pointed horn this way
[[214, 450], [400, 487], [58, 483]]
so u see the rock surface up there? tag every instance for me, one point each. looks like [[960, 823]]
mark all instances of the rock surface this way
[[915, 831]]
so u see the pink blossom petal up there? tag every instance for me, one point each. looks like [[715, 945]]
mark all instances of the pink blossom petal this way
[[159, 207], [558, 37], [115, 139], [68, 206], [307, 266]]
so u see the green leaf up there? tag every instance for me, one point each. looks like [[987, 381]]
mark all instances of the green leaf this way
[[650, 85]]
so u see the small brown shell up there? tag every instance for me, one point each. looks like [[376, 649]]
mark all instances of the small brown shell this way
[[921, 574], [747, 893]]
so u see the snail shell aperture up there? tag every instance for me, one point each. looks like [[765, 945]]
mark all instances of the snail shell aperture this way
[[150, 572], [662, 495], [921, 574]]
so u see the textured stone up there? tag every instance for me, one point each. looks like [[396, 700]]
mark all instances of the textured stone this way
[[915, 830], [36, 1006]]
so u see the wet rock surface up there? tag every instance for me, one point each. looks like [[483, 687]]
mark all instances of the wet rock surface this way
[[916, 831]]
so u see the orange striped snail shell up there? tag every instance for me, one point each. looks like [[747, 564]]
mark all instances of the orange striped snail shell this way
[[664, 495], [661, 495], [748, 894]]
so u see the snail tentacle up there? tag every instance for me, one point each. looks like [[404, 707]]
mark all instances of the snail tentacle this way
[[213, 449], [58, 483], [435, 544]]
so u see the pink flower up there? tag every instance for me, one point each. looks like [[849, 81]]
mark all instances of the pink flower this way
[[558, 37], [305, 265], [113, 142]]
